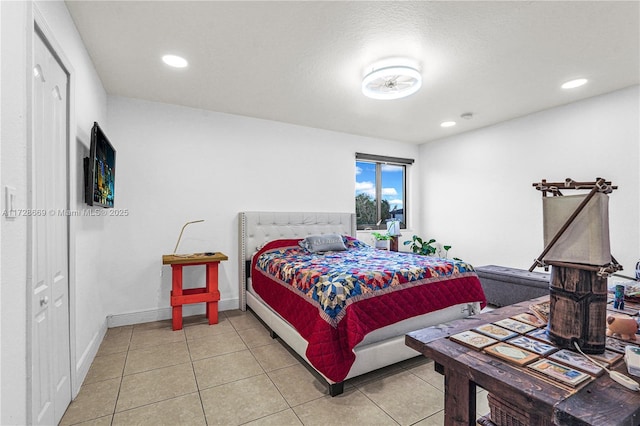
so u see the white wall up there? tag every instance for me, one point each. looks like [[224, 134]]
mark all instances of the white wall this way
[[177, 164], [477, 192], [89, 104], [13, 386]]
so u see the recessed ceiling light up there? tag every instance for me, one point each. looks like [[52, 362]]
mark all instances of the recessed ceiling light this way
[[447, 124], [175, 61], [574, 83], [391, 79]]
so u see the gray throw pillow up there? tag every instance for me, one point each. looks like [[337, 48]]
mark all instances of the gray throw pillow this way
[[321, 243]]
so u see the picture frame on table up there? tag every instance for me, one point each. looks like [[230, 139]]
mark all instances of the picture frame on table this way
[[559, 372], [495, 331], [473, 339], [513, 354]]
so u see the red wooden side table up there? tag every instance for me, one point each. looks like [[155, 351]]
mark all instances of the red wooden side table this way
[[208, 294]]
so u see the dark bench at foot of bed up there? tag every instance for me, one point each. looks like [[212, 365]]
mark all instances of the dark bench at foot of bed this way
[[504, 286]]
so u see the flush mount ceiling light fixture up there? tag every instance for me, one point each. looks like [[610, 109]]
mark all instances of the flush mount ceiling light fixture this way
[[175, 61], [574, 83], [388, 80]]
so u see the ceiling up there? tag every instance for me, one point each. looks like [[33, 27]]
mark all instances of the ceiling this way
[[303, 62]]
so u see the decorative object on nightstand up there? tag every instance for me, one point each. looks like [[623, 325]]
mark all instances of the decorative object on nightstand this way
[[576, 236], [393, 230], [175, 250]]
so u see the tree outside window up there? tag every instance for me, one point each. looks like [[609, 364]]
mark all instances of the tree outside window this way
[[380, 194]]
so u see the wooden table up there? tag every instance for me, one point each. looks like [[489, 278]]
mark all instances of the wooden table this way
[[600, 402], [208, 294]]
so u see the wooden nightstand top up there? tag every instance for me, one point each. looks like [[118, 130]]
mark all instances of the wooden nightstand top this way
[[186, 259]]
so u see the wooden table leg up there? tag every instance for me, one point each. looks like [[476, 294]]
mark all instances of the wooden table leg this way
[[176, 290], [459, 399]]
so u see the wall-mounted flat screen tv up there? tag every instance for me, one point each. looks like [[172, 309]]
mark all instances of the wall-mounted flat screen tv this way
[[100, 170]]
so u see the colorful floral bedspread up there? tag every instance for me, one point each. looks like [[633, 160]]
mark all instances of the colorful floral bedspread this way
[[334, 299]]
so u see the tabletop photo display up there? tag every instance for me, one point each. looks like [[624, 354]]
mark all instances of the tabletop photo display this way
[[524, 341]]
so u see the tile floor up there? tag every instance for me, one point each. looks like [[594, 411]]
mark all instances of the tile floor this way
[[233, 373]]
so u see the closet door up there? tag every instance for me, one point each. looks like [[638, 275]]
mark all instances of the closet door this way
[[50, 367]]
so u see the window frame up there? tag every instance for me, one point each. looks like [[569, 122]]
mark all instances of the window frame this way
[[380, 161]]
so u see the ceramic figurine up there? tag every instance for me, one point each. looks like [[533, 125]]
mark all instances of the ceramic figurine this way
[[622, 326]]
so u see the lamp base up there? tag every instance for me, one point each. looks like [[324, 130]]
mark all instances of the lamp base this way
[[393, 244], [578, 309]]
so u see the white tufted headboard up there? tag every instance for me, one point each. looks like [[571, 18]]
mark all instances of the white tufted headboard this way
[[257, 228]]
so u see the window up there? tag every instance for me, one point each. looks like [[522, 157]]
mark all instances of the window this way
[[380, 190]]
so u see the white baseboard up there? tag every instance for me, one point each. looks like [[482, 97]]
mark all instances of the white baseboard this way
[[87, 357], [151, 315]]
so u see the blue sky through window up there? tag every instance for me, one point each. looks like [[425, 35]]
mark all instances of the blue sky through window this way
[[392, 181]]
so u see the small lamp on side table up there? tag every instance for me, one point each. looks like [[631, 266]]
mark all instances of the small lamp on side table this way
[[175, 250]]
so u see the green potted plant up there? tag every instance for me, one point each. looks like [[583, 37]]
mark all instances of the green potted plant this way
[[427, 248], [382, 240]]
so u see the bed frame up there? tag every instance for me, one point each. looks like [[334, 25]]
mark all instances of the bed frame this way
[[380, 348]]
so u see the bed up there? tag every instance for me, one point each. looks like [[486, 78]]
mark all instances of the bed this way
[[343, 337]]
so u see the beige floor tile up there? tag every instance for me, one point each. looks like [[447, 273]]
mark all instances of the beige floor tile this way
[[225, 368], [115, 344], [164, 324], [482, 403], [152, 357], [204, 330], [198, 319], [215, 345], [100, 421], [436, 419], [242, 320], [427, 373], [156, 385], [93, 401], [155, 337], [106, 367], [297, 385], [283, 418], [123, 331], [227, 362], [350, 408], [274, 356], [405, 397], [254, 337], [242, 401], [183, 410]]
